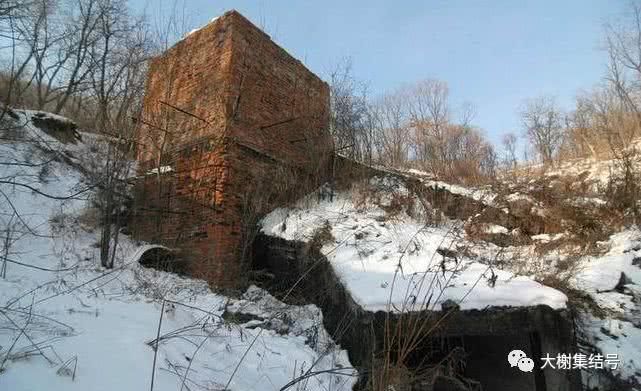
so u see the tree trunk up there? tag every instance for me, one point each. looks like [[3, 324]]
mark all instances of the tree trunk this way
[[105, 240]]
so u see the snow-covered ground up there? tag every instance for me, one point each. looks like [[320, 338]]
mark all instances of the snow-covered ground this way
[[393, 263], [592, 170], [619, 331], [68, 324]]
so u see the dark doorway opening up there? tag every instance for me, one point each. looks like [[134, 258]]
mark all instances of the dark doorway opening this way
[[164, 259]]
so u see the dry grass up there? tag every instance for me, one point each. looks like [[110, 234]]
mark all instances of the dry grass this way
[[322, 235]]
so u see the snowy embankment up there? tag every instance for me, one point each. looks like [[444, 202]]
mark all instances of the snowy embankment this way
[[482, 195], [399, 263], [393, 262], [68, 324], [613, 281]]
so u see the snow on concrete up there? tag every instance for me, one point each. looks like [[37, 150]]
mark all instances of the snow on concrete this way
[[484, 196], [94, 328], [393, 264], [45, 114]]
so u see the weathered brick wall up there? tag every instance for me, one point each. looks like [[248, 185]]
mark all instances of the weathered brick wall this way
[[194, 76], [244, 128], [278, 105], [185, 208]]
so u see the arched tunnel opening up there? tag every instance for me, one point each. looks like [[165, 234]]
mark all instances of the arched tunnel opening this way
[[164, 259]]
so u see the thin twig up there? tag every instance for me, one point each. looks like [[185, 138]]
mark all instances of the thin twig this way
[[153, 369]]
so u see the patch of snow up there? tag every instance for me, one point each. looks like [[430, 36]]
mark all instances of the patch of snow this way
[[621, 339], [538, 211], [163, 170], [484, 196], [393, 264], [547, 238], [589, 201], [200, 28], [495, 229], [603, 273], [514, 197], [420, 173]]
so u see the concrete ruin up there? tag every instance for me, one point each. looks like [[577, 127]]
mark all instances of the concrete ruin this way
[[485, 336], [231, 126]]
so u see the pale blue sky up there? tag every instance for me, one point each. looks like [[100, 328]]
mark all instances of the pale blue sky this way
[[492, 53]]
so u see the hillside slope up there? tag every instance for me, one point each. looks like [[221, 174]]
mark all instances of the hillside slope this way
[[518, 245], [68, 324]]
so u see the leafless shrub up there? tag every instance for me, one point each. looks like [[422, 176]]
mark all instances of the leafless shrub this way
[[322, 235], [68, 368], [622, 190], [11, 230], [509, 142], [391, 133], [349, 118]]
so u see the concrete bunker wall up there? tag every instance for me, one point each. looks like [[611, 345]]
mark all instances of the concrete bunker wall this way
[[227, 115], [487, 336]]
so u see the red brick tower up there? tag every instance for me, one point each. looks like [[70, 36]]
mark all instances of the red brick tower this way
[[230, 120]]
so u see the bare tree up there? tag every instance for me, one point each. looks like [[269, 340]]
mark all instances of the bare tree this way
[[429, 113], [467, 114], [624, 51], [391, 129], [169, 25], [56, 39], [543, 125], [83, 35], [349, 120], [117, 75], [509, 141], [447, 148], [43, 38], [607, 118], [89, 51], [11, 14]]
